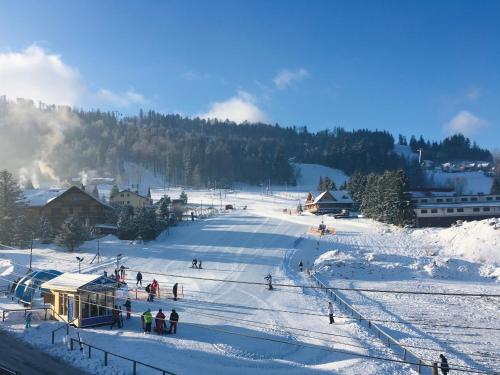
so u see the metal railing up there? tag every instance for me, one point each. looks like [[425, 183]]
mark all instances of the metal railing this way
[[408, 356], [4, 370], [107, 354], [26, 311]]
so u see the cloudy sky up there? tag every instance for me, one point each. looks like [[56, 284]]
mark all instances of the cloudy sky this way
[[411, 67]]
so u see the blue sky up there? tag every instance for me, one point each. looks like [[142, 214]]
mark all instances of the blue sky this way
[[411, 67]]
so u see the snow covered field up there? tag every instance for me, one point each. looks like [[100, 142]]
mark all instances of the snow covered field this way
[[229, 328]]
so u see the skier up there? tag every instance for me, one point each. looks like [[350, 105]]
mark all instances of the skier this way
[[148, 291], [116, 317], [174, 319], [194, 263], [174, 291], [269, 279], [155, 288], [445, 369], [148, 319], [128, 307], [330, 312], [301, 266], [138, 278], [160, 322], [28, 320], [199, 264]]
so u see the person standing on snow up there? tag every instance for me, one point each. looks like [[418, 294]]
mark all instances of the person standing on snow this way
[[27, 321], [148, 319], [194, 263], [174, 291], [330, 312], [445, 368], [174, 319], [155, 287], [301, 266], [138, 278], [199, 264], [160, 322], [116, 317], [269, 279], [148, 291], [128, 307], [122, 273]]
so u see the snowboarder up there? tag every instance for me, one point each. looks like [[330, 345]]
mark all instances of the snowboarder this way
[[155, 288], [138, 278], [28, 320], [174, 319], [445, 369], [148, 319], [330, 312], [160, 322], [150, 294], [116, 317], [128, 307], [194, 263], [199, 264], [174, 291], [301, 266], [269, 279]]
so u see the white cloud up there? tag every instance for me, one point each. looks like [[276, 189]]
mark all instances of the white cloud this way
[[288, 77], [37, 75], [120, 99], [464, 122], [239, 108]]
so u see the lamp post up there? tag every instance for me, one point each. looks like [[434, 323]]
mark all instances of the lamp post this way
[[31, 251], [118, 257], [80, 260]]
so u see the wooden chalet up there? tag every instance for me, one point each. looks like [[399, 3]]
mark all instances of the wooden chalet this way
[[329, 202], [59, 204]]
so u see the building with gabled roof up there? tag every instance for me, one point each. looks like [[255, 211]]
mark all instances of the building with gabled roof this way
[[329, 202], [130, 198]]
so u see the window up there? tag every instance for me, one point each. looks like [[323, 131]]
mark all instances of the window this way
[[486, 209], [434, 211], [63, 304], [475, 209], [464, 199], [489, 198], [497, 198], [423, 201], [474, 199], [70, 210], [423, 211], [122, 195], [460, 210], [55, 211], [439, 200], [449, 210], [449, 200], [128, 202], [128, 195]]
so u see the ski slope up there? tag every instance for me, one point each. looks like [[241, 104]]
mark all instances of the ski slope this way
[[228, 327]]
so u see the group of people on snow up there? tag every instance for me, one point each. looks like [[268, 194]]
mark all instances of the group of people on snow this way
[[196, 263], [160, 322]]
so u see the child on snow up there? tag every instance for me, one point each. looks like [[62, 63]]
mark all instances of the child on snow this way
[[330, 312]]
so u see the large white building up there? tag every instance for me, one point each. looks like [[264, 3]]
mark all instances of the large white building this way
[[444, 207]]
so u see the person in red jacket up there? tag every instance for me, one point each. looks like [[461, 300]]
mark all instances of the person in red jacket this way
[[160, 322], [155, 288]]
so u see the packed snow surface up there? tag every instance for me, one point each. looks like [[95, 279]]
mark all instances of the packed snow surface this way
[[228, 328]]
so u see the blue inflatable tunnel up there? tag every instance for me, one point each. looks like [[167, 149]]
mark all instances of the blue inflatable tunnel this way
[[29, 287]]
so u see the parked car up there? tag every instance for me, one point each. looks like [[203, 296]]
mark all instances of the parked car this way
[[342, 214]]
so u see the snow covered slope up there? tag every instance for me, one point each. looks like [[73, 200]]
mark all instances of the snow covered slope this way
[[309, 175], [467, 182]]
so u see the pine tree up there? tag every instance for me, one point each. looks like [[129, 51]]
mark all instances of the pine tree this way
[[329, 184], [114, 191], [45, 230], [147, 225], [184, 197], [10, 194], [320, 184], [163, 210], [127, 228], [72, 233], [23, 231], [495, 187], [356, 187], [149, 192]]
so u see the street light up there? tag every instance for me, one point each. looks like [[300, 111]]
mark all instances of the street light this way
[[80, 260], [118, 257]]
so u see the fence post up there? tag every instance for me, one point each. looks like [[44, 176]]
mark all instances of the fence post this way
[[419, 366], [434, 368], [404, 355], [90, 351], [134, 368], [3, 315], [388, 342], [53, 338], [67, 329], [105, 358], [71, 343], [45, 313], [369, 324], [135, 292]]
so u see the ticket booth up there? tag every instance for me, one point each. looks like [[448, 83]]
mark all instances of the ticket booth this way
[[85, 300]]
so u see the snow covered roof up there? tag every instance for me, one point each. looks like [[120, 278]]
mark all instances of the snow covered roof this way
[[459, 204], [40, 197], [71, 282], [337, 195], [131, 192]]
